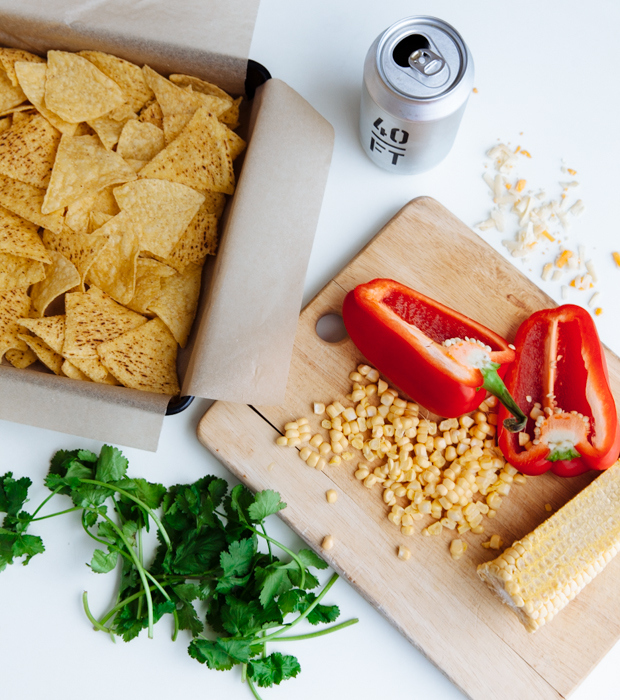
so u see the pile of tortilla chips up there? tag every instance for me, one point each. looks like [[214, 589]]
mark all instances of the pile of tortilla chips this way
[[112, 181]]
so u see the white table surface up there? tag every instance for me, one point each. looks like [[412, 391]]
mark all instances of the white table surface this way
[[547, 81]]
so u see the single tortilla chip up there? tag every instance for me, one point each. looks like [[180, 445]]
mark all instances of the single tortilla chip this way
[[152, 114], [144, 358], [176, 306], [14, 305], [77, 217], [19, 273], [236, 144], [109, 127], [31, 78], [198, 240], [97, 219], [92, 317], [52, 360], [149, 276], [9, 57], [160, 211], [83, 167], [62, 276], [199, 157], [231, 116], [126, 75], [114, 268], [28, 150], [15, 111], [26, 201], [20, 359], [20, 237], [10, 95], [76, 90], [51, 330], [71, 371], [81, 249], [140, 141], [5, 123], [199, 85], [177, 105]]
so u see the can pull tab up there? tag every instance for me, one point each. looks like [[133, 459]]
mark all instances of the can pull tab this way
[[426, 61]]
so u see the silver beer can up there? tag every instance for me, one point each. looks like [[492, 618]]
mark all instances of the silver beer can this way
[[418, 75]]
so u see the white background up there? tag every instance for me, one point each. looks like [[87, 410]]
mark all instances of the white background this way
[[546, 74]]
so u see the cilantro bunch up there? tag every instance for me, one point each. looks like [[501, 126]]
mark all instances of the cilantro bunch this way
[[207, 571]]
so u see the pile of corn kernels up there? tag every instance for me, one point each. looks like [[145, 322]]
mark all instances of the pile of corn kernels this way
[[451, 471]]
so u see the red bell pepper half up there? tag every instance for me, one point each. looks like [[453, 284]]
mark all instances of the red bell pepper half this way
[[560, 365], [439, 357]]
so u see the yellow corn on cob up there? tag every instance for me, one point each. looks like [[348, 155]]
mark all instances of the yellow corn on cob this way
[[540, 574]]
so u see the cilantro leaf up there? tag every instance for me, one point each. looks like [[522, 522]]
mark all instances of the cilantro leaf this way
[[272, 581], [102, 563], [13, 493], [323, 614], [265, 503], [311, 558], [238, 559], [273, 669], [111, 465], [198, 551], [207, 652]]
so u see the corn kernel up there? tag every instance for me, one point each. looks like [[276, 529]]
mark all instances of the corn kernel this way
[[328, 542], [331, 495]]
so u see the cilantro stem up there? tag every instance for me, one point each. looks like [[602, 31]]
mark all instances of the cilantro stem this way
[[53, 515], [137, 501], [136, 561], [96, 624], [252, 688], [295, 558], [262, 527], [54, 492], [320, 633], [305, 613]]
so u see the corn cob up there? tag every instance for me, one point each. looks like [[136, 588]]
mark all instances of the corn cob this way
[[540, 574]]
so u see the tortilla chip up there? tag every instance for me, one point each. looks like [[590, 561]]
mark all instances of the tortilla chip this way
[[19, 110], [160, 211], [51, 330], [177, 304], [5, 124], [78, 213], [198, 240], [83, 167], [81, 249], [177, 105], [152, 114], [28, 150], [20, 359], [198, 85], [20, 237], [231, 116], [9, 57], [17, 272], [71, 371], [62, 275], [114, 269], [10, 96], [126, 75], [92, 318], [26, 201], [92, 369], [109, 127], [97, 219], [52, 360], [199, 157], [14, 305], [149, 277], [144, 358], [140, 141], [31, 78], [236, 144], [76, 90]]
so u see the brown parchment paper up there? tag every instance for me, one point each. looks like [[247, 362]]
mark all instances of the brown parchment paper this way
[[244, 333], [206, 38]]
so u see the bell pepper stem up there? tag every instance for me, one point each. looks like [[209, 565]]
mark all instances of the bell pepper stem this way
[[494, 384]]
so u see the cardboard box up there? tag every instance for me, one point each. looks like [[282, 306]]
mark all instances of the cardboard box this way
[[243, 335]]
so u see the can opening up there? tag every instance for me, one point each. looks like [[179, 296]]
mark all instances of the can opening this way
[[407, 46]]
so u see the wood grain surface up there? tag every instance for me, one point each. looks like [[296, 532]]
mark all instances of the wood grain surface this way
[[438, 604]]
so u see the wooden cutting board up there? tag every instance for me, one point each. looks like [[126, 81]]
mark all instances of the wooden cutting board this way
[[437, 603]]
